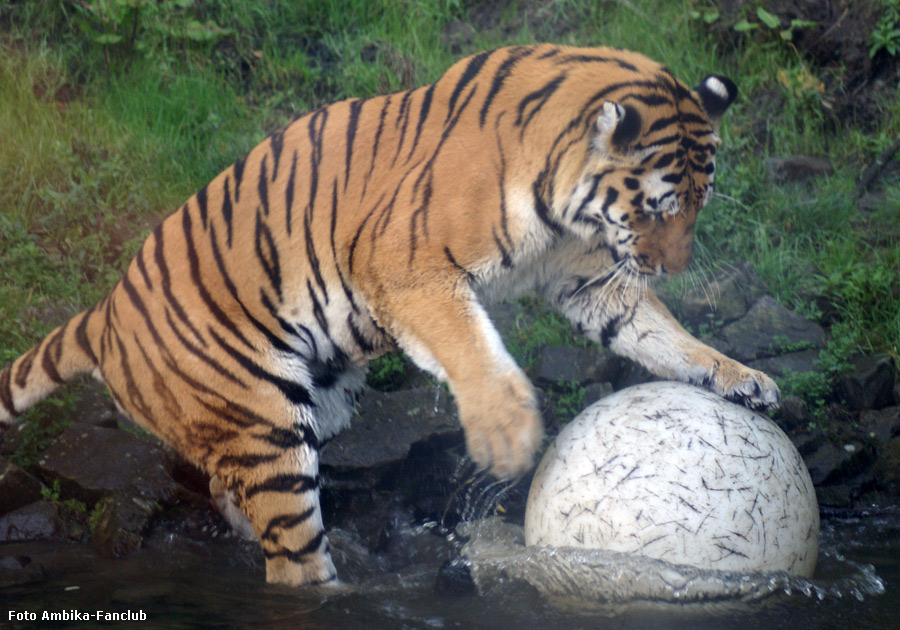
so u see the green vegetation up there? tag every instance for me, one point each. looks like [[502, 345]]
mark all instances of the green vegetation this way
[[113, 111]]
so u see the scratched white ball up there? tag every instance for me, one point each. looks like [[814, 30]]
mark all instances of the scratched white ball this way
[[676, 473]]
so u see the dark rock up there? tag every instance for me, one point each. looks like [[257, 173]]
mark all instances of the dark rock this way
[[887, 469], [99, 417], [388, 424], [93, 462], [595, 391], [797, 168], [869, 384], [723, 297], [831, 464], [793, 414], [883, 424], [835, 496], [768, 330], [37, 521], [455, 578], [118, 522], [786, 364], [17, 487], [16, 570], [578, 365]]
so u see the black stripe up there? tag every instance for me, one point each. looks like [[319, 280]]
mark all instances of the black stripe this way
[[294, 392], [541, 96], [159, 258], [276, 142], [404, 115], [472, 69], [353, 123], [202, 355], [540, 207], [289, 194], [297, 556], [313, 257], [334, 251], [48, 361], [234, 414], [589, 197], [201, 203], [160, 388], [420, 212], [515, 55], [566, 59], [286, 521], [6, 395], [289, 483], [142, 267], [505, 260], [423, 116], [274, 340], [238, 170], [376, 143], [296, 437], [315, 157], [456, 265], [662, 123], [226, 211], [612, 195], [202, 291], [262, 187], [610, 330], [24, 369], [267, 254], [317, 309], [246, 461], [650, 100], [81, 337], [357, 335]]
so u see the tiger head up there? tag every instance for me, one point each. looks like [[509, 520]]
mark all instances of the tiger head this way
[[650, 170]]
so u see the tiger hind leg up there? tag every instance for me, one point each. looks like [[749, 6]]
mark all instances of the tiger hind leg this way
[[282, 506]]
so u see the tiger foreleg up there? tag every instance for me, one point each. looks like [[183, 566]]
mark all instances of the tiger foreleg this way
[[450, 335], [634, 323]]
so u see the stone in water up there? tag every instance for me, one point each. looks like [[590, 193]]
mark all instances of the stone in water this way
[[676, 473]]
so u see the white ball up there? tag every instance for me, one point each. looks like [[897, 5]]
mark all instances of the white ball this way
[[676, 473]]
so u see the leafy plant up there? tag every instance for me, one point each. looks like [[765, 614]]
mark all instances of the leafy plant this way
[[886, 34], [131, 27]]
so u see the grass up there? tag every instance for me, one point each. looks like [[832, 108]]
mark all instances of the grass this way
[[101, 140]]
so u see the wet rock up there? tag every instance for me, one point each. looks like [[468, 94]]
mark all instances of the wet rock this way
[[595, 391], [869, 384], [882, 424], [830, 463], [578, 365], [99, 417], [768, 330], [16, 570], [793, 414], [790, 363], [723, 297], [887, 469], [37, 521], [118, 522], [387, 425], [797, 168], [455, 578], [835, 496], [93, 462], [17, 487]]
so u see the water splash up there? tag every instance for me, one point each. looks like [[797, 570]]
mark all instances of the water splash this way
[[613, 582]]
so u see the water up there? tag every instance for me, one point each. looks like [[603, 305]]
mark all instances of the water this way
[[218, 583]]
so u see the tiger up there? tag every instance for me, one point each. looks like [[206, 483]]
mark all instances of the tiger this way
[[240, 332]]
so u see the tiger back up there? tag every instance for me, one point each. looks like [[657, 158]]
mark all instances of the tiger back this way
[[240, 332]]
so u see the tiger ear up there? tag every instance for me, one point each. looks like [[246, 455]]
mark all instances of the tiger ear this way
[[618, 126], [716, 94]]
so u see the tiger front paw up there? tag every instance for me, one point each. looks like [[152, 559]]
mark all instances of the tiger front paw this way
[[742, 385], [504, 431]]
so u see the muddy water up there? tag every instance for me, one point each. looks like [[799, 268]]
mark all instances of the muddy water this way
[[218, 583]]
